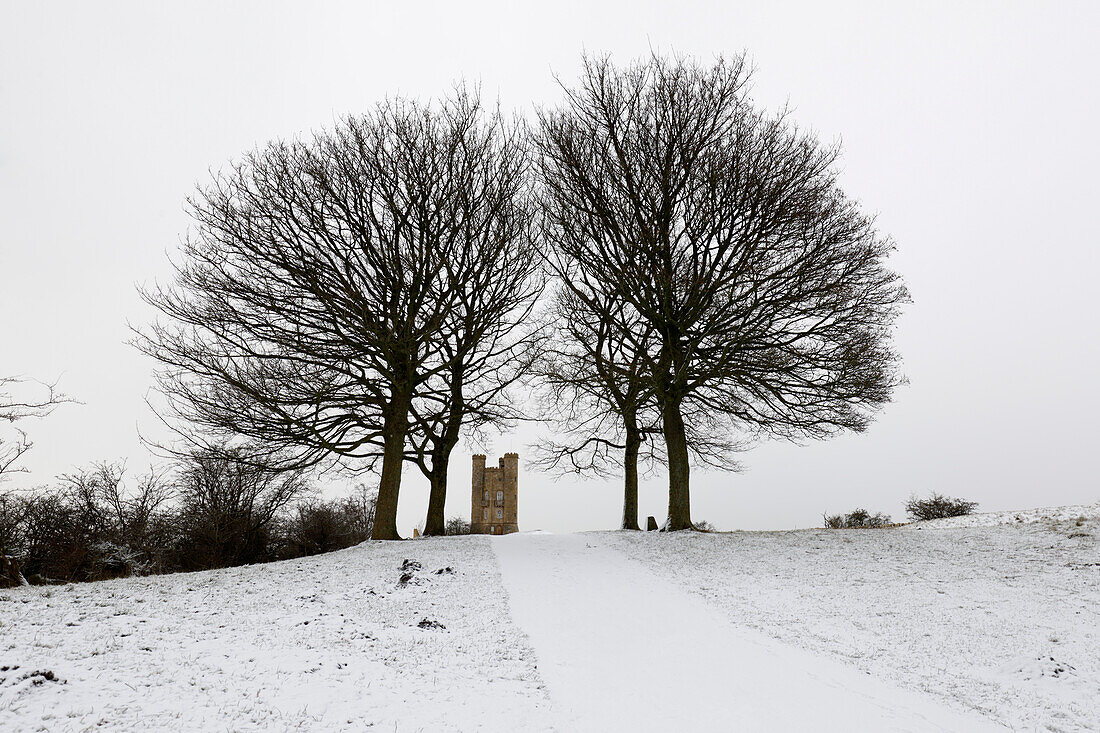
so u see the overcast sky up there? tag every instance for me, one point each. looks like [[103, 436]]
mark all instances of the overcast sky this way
[[969, 128]]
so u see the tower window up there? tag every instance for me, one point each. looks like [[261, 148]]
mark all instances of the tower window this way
[[500, 513], [484, 514], [486, 499], [500, 497]]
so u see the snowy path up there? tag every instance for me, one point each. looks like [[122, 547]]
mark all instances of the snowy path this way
[[622, 649]]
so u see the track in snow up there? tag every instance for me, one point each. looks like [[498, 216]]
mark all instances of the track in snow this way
[[622, 649]]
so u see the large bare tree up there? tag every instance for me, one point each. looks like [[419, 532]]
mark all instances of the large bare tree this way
[[725, 231], [306, 310]]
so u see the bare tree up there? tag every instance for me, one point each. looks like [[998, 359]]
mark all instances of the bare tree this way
[[306, 313], [229, 506], [471, 394], [597, 395], [724, 230], [15, 409], [490, 336]]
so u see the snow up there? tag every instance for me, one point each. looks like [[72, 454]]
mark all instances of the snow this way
[[1002, 619], [623, 649], [333, 642], [1020, 516], [925, 627]]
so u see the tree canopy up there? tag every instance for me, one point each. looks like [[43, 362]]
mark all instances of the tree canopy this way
[[765, 301], [338, 293]]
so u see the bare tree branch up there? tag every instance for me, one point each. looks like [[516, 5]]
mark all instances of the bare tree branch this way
[[23, 399]]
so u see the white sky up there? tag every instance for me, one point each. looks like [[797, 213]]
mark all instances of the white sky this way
[[969, 128]]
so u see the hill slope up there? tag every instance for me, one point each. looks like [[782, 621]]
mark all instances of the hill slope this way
[[624, 649], [1002, 619], [333, 642], [921, 627]]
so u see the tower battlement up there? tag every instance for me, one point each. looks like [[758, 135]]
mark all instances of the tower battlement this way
[[494, 495]]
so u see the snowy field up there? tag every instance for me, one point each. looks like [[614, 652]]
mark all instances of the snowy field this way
[[624, 649], [929, 627], [328, 643], [1002, 616], [1043, 515]]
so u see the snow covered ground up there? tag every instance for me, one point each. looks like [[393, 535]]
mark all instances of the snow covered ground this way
[[1002, 619], [1043, 515], [623, 649], [328, 643], [916, 628]]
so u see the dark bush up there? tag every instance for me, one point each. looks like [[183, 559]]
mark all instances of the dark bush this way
[[314, 528], [229, 507], [455, 526], [124, 527], [359, 511], [938, 506], [324, 526], [54, 544], [857, 519], [13, 509], [88, 526], [217, 511]]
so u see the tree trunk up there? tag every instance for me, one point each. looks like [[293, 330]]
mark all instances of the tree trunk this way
[[679, 499], [393, 459], [435, 523], [630, 479]]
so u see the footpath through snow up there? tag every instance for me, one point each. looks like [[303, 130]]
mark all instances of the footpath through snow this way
[[621, 648]]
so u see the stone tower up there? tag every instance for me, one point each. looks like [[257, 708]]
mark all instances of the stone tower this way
[[494, 496]]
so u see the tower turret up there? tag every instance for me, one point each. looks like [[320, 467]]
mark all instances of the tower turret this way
[[478, 498]]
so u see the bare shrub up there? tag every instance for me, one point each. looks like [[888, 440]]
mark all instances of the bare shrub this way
[[938, 506], [12, 518], [10, 575], [456, 526], [88, 526], [324, 526], [359, 509], [127, 529], [229, 508], [857, 519], [54, 545], [217, 510]]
